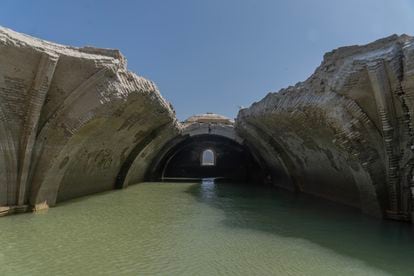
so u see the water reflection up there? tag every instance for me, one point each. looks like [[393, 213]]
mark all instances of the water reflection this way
[[203, 229], [207, 188], [386, 245]]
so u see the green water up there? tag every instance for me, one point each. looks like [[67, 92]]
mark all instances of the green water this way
[[203, 229]]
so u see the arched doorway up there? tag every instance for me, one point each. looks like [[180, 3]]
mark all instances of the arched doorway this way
[[208, 157]]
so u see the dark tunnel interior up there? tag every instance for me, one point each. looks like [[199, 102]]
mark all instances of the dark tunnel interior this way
[[209, 156]]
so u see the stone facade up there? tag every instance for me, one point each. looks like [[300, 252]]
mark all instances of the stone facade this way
[[75, 121]]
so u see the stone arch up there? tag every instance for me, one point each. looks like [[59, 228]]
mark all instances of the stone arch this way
[[357, 169], [121, 181], [160, 151], [84, 141], [234, 161]]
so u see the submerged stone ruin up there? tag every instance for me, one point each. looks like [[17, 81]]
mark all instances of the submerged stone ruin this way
[[75, 121]]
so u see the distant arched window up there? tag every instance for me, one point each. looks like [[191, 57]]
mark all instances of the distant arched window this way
[[208, 158]]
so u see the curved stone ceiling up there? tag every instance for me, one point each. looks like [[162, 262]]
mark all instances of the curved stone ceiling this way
[[74, 121]]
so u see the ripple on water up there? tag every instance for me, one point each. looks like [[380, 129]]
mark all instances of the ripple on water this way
[[202, 229]]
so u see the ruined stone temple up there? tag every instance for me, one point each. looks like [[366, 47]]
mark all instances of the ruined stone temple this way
[[75, 121]]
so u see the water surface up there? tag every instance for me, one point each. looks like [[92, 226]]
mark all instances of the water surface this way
[[203, 229]]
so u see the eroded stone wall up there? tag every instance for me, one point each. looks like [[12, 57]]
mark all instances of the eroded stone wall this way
[[69, 118], [345, 133], [74, 121]]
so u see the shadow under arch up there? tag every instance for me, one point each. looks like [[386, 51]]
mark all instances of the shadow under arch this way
[[181, 158]]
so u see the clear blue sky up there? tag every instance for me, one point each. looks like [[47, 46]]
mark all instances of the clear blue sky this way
[[213, 55]]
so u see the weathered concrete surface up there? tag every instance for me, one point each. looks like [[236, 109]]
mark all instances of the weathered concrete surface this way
[[346, 132], [69, 118]]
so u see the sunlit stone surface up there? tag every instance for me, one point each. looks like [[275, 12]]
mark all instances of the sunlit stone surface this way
[[75, 121], [69, 118], [346, 132]]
